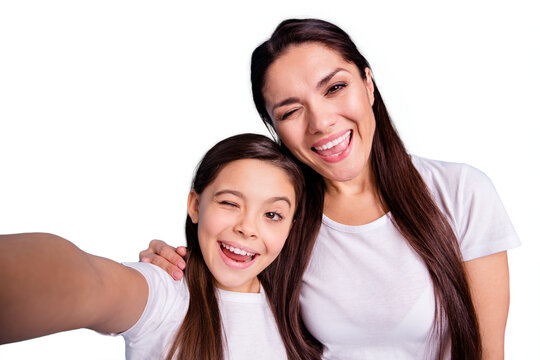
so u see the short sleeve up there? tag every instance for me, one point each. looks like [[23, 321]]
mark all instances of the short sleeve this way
[[483, 226], [166, 306]]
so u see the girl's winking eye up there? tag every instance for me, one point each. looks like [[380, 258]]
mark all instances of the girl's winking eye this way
[[227, 203]]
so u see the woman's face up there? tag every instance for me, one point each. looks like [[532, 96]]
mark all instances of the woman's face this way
[[244, 217], [321, 109]]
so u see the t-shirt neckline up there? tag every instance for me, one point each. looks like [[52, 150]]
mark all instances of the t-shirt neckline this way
[[383, 220], [242, 297]]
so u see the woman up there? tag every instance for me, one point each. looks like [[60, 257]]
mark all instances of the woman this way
[[410, 260], [246, 219]]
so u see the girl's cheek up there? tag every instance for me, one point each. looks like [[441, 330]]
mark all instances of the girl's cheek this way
[[278, 241], [211, 221]]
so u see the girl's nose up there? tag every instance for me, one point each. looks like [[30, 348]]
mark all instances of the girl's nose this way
[[246, 227]]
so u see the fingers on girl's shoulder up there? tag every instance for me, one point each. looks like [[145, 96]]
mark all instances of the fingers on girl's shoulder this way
[[181, 250], [157, 245], [171, 268], [163, 249]]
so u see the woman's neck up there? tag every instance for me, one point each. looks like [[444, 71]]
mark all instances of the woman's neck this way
[[353, 202]]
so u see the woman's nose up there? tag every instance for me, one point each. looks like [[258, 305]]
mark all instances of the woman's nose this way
[[319, 121]]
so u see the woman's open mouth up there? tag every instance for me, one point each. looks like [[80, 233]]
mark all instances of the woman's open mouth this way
[[336, 149]]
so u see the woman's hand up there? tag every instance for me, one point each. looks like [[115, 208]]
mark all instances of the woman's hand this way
[[166, 257]]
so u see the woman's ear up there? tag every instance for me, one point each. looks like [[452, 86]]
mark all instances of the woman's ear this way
[[193, 206], [370, 87]]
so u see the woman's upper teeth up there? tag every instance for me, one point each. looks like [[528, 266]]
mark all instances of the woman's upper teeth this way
[[334, 142]]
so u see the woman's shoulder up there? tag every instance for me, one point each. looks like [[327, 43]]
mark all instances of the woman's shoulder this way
[[452, 174], [456, 187]]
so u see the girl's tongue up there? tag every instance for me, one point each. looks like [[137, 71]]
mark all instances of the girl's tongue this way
[[229, 252]]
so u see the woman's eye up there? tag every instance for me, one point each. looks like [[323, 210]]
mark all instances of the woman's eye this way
[[287, 114], [273, 216], [335, 88]]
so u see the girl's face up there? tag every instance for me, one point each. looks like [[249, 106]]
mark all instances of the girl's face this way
[[244, 217], [321, 109]]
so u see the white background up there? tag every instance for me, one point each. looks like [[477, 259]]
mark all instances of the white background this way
[[107, 106]]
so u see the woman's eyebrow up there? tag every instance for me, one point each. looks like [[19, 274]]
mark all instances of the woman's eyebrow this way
[[328, 77], [287, 101]]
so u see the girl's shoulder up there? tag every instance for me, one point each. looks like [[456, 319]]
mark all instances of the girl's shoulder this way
[[159, 281], [167, 303]]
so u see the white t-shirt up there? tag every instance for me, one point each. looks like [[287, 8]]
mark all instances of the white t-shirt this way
[[366, 294], [248, 323]]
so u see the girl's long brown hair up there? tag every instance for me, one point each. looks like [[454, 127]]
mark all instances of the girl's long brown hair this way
[[200, 335], [401, 188]]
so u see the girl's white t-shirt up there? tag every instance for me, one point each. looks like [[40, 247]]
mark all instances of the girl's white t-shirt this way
[[248, 323], [367, 295]]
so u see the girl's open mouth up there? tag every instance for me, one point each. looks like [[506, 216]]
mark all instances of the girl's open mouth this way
[[236, 257]]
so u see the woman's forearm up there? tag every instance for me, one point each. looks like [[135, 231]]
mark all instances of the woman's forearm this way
[[489, 282]]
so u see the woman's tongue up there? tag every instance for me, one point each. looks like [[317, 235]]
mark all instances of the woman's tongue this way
[[335, 150], [236, 257]]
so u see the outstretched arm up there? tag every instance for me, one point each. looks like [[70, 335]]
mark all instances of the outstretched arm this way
[[489, 282], [49, 285]]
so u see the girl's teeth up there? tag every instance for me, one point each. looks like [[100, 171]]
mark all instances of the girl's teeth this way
[[237, 251]]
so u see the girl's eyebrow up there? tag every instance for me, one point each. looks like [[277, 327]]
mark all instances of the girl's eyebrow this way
[[320, 84], [279, 198], [240, 195], [227, 191]]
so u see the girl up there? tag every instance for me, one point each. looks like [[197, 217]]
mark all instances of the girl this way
[[245, 229], [410, 260]]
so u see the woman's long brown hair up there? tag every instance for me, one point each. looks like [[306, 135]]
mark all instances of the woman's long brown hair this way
[[200, 335], [401, 188]]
